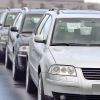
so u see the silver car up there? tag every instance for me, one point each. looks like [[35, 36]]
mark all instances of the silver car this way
[[64, 56]]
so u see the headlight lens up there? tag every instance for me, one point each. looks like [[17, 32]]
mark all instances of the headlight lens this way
[[62, 70], [23, 48]]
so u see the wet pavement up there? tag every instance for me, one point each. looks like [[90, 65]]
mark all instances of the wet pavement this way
[[11, 90]]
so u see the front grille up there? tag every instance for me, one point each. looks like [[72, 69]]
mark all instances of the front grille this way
[[76, 97], [91, 73], [22, 62]]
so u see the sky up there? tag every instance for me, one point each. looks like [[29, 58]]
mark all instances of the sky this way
[[94, 1]]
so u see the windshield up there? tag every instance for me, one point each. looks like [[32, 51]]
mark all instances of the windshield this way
[[76, 31], [10, 19], [30, 22]]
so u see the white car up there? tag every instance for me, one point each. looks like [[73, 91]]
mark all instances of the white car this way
[[18, 41], [64, 56], [7, 17]]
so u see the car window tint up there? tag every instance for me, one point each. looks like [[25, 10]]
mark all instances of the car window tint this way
[[30, 22], [2, 18], [10, 18], [46, 28], [77, 30], [1, 15]]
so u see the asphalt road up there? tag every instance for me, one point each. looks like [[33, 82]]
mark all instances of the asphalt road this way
[[11, 90]]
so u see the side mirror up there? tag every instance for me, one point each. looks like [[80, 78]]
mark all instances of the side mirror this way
[[39, 39], [17, 35], [14, 29]]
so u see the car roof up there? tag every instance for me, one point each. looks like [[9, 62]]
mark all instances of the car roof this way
[[36, 11], [75, 13], [80, 12], [14, 10]]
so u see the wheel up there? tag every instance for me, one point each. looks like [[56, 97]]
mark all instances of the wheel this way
[[30, 86], [15, 71], [2, 56], [8, 63], [41, 95]]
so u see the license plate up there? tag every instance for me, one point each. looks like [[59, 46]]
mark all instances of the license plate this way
[[96, 88]]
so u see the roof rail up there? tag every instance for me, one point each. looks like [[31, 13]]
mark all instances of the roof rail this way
[[25, 8], [55, 9], [8, 9]]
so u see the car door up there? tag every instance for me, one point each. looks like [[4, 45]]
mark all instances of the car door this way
[[38, 49]]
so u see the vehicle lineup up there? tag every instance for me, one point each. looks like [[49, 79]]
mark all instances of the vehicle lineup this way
[[55, 51]]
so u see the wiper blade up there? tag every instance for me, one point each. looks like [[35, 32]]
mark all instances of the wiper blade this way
[[68, 44], [76, 44], [94, 44], [27, 32]]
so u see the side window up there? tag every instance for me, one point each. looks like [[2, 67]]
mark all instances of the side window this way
[[42, 24], [30, 22], [46, 28], [10, 18]]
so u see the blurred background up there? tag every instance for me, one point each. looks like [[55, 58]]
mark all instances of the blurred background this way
[[68, 4]]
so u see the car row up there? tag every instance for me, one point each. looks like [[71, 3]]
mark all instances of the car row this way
[[57, 51]]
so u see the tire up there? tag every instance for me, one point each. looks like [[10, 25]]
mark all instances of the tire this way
[[8, 63], [41, 95], [15, 71], [2, 56], [30, 86]]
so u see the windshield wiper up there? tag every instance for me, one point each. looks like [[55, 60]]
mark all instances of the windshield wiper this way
[[69, 44], [27, 32], [95, 44]]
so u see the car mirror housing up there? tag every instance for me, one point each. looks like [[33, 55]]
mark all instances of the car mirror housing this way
[[39, 39], [14, 29]]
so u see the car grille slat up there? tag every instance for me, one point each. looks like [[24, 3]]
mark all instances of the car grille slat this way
[[76, 96], [91, 73]]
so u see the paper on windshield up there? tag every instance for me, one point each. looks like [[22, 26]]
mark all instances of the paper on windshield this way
[[85, 30], [72, 26]]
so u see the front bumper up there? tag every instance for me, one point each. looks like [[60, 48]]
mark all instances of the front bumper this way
[[3, 45], [22, 61], [70, 85], [62, 96]]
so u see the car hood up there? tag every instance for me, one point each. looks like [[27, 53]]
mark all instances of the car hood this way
[[77, 56]]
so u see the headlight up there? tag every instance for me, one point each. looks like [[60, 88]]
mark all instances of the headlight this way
[[62, 70], [4, 38], [23, 48]]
